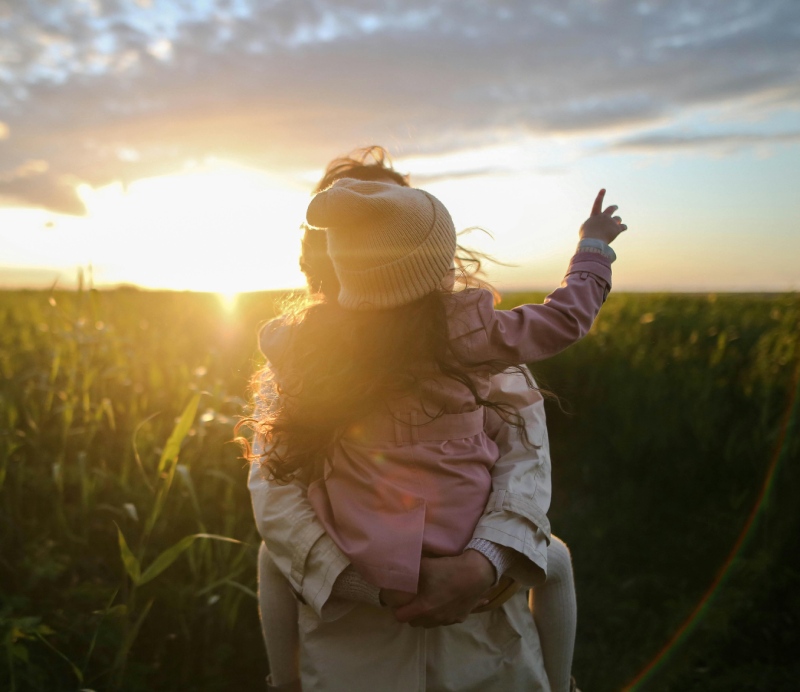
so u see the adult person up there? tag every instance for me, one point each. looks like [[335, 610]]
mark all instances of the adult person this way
[[348, 642]]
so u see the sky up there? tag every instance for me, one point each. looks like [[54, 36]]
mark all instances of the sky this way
[[174, 144]]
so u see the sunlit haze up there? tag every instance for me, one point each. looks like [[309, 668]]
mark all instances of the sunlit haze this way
[[174, 145], [218, 228]]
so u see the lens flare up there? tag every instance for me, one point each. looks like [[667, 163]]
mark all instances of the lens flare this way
[[790, 416]]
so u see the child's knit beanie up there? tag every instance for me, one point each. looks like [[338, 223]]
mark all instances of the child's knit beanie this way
[[389, 244]]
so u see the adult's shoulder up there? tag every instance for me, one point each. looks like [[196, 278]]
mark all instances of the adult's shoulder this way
[[274, 338]]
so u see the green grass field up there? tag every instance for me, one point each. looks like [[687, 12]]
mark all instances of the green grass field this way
[[116, 415]]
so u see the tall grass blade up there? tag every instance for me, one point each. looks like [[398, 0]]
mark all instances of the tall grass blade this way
[[103, 616], [166, 558], [186, 477], [241, 587], [132, 566], [77, 671], [169, 459], [173, 446], [51, 390], [122, 654], [136, 451]]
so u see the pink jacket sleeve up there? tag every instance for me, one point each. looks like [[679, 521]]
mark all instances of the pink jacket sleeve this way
[[534, 332]]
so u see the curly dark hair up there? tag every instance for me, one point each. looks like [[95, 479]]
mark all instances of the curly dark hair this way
[[341, 365]]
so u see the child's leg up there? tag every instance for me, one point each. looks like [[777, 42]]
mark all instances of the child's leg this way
[[278, 610], [555, 614]]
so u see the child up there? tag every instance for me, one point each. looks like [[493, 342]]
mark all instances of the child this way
[[389, 387]]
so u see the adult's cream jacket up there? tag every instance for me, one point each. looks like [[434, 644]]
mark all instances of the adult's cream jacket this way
[[352, 647]]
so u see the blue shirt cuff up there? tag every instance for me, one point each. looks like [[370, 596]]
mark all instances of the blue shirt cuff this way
[[598, 246]]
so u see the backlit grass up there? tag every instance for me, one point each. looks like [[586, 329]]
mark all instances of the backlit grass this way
[[116, 414]]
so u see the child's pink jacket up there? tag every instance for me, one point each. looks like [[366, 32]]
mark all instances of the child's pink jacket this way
[[400, 485]]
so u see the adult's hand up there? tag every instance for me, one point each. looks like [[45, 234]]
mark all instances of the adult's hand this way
[[449, 589], [394, 598]]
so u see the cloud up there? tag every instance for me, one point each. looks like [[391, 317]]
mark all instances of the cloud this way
[[56, 193], [726, 142], [107, 90]]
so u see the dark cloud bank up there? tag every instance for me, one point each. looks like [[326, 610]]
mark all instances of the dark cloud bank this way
[[109, 90]]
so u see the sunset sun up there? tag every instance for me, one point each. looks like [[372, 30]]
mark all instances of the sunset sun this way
[[218, 227]]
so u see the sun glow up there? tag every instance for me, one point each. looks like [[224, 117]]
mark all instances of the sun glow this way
[[228, 300], [220, 228]]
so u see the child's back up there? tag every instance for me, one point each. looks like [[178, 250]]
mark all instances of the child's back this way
[[412, 478]]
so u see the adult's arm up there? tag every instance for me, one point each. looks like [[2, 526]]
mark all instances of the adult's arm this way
[[516, 513], [295, 539], [297, 542]]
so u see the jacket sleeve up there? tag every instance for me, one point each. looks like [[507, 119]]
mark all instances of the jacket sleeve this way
[[516, 513], [534, 332], [296, 540]]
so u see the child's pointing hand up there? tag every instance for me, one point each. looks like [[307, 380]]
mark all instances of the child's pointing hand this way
[[601, 224]]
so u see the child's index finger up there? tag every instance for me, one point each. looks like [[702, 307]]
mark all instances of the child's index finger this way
[[597, 207]]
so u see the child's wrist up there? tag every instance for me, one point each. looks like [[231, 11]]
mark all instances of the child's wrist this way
[[598, 246]]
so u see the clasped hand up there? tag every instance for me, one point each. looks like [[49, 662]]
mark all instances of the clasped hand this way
[[450, 588]]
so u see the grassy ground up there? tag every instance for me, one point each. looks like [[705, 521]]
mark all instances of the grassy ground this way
[[116, 411], [679, 406]]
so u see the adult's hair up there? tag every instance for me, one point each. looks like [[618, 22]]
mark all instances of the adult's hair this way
[[368, 163], [372, 163]]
